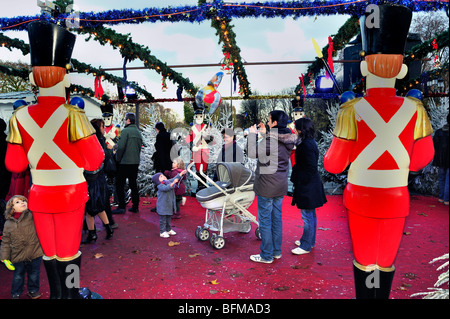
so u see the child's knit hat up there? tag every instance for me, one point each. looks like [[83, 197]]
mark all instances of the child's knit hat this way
[[155, 178]]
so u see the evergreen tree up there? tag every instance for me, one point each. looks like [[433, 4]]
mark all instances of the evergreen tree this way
[[338, 181], [146, 170], [426, 181]]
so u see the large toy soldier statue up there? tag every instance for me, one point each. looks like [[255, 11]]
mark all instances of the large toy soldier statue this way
[[112, 132], [383, 137], [199, 137], [58, 143]]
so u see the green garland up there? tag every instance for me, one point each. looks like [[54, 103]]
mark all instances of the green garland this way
[[9, 43], [133, 51], [351, 29], [226, 36], [421, 50], [127, 48], [8, 70], [83, 90], [24, 72], [224, 30], [79, 66], [345, 33], [439, 73]]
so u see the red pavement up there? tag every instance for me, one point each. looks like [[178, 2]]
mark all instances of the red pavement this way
[[138, 264]]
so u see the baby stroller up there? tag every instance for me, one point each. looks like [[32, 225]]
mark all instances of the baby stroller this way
[[226, 203]]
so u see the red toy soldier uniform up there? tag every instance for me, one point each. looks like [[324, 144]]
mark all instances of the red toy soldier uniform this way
[[383, 137], [112, 133], [56, 140]]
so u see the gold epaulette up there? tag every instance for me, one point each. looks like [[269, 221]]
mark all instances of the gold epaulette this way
[[14, 136], [79, 126], [423, 126], [346, 122]]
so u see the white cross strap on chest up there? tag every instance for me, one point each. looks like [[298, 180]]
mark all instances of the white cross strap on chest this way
[[386, 139], [110, 136], [43, 143], [198, 136]]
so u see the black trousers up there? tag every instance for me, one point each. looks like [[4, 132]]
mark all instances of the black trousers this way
[[125, 171]]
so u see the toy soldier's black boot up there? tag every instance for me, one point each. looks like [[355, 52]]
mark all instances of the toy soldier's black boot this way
[[386, 278], [54, 280], [362, 289], [372, 282], [69, 272]]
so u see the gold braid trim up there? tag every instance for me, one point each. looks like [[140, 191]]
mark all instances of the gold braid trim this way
[[345, 122], [370, 268], [423, 125], [78, 254], [79, 126], [62, 258]]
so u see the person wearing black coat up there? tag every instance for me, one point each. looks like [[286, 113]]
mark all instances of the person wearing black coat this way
[[163, 145], [441, 146], [5, 175], [308, 192], [98, 203]]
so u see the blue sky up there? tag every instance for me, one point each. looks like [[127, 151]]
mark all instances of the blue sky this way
[[260, 40]]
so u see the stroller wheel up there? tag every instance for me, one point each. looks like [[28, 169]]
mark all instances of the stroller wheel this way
[[218, 242], [246, 226], [203, 234], [257, 233], [197, 232]]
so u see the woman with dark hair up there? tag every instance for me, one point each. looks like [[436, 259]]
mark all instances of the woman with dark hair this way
[[98, 201], [163, 144], [271, 180], [308, 188]]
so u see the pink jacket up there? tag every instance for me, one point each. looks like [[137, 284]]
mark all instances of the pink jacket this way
[[179, 188]]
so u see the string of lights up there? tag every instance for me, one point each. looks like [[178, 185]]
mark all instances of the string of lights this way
[[220, 14], [209, 10]]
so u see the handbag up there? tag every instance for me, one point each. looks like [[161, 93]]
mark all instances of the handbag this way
[[110, 165]]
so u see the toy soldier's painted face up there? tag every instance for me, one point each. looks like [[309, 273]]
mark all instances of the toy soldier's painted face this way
[[108, 119], [298, 115], [198, 119]]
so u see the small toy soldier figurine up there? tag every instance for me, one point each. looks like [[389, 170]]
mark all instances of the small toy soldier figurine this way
[[58, 142], [297, 113], [199, 137], [112, 133], [382, 137]]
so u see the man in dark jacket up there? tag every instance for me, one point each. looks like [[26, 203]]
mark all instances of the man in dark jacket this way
[[271, 180], [128, 156]]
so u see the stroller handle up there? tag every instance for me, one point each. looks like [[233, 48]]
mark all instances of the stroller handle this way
[[206, 177], [188, 168]]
